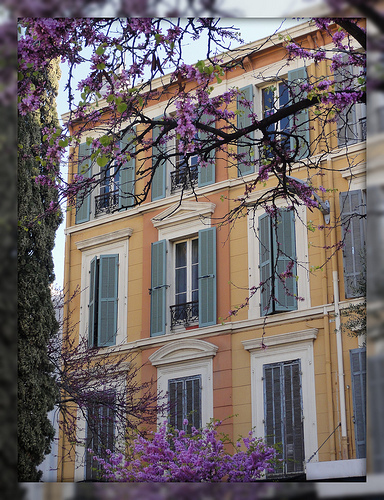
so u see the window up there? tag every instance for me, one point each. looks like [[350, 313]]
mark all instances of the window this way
[[184, 396], [103, 296], [277, 251], [100, 433], [353, 209], [273, 98], [108, 199], [185, 310], [284, 414], [245, 145], [358, 375], [194, 280]]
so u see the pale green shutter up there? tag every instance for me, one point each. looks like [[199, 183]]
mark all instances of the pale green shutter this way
[[127, 177], [300, 119], [83, 198], [159, 177], [376, 410], [92, 306], [158, 288], [358, 375], [265, 264], [284, 235], [245, 145], [108, 287], [207, 276], [206, 175], [352, 209]]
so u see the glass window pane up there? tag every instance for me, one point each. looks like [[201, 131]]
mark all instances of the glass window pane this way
[[181, 254]]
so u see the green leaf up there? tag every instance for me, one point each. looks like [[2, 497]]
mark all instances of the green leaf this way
[[122, 107], [89, 140], [110, 98], [100, 50], [63, 143], [105, 140], [100, 66], [102, 161], [119, 47]]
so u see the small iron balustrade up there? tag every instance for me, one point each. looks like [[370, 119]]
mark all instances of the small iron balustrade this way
[[363, 128], [105, 203], [183, 178], [184, 314]]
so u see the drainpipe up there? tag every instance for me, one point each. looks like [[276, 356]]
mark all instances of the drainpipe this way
[[340, 367]]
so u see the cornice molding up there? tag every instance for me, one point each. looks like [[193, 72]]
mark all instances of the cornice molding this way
[[277, 340], [182, 212], [183, 350], [103, 239]]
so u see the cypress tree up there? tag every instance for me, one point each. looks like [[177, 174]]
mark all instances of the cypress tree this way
[[37, 391]]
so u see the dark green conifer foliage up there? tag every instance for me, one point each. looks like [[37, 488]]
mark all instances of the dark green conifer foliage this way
[[37, 391]]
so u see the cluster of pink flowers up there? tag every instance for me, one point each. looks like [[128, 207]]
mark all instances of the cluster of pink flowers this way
[[175, 456]]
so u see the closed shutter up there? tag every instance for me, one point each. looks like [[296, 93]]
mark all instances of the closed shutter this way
[[185, 402], [175, 391], [207, 277], [352, 208], [265, 264], [376, 411], [245, 145], [346, 119], [299, 124], [159, 177], [83, 198], [127, 177], [108, 287], [284, 239], [193, 402], [358, 375], [206, 174], [283, 420], [93, 302], [158, 288]]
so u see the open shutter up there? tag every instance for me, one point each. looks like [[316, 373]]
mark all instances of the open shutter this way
[[245, 145], [83, 199], [159, 177], [299, 124], [265, 264], [284, 239], [92, 306], [158, 288], [108, 286], [207, 276], [353, 234], [358, 375], [206, 174], [127, 177]]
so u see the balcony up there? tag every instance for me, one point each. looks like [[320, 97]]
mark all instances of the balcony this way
[[184, 314], [107, 202], [183, 178]]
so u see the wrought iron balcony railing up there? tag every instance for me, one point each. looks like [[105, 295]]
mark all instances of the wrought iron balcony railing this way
[[184, 314], [363, 128], [105, 203], [183, 178]]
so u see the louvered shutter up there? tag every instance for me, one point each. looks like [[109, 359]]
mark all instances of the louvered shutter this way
[[299, 124], [108, 297], [207, 277], [284, 236], [206, 175], [352, 207], [127, 176], [83, 198], [358, 375], [92, 306], [193, 403], [346, 119], [265, 264], [159, 177], [175, 394], [245, 145], [158, 288], [376, 410], [273, 411]]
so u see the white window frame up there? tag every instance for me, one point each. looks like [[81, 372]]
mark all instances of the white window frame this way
[[280, 348], [186, 358], [302, 267], [112, 243]]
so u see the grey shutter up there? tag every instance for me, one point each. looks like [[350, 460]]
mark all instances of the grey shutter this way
[[273, 411], [265, 264], [108, 296], [353, 235], [358, 375], [127, 177], [207, 277], [376, 411], [93, 302], [159, 177], [175, 395], [346, 119], [245, 145], [193, 402], [83, 198], [300, 119], [158, 288], [206, 175], [284, 236]]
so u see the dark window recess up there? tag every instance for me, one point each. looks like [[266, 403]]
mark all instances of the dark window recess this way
[[184, 397], [185, 176], [184, 314], [106, 203], [283, 414]]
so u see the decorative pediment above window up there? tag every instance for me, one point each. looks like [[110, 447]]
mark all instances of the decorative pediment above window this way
[[278, 340], [104, 239], [182, 219], [183, 350]]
